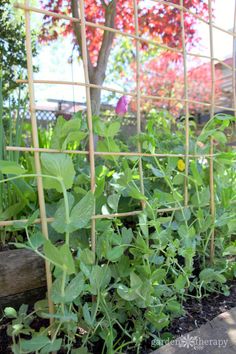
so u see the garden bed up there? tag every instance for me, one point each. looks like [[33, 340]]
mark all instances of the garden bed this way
[[196, 314]]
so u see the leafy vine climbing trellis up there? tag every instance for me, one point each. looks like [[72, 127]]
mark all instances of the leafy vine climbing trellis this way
[[138, 96]]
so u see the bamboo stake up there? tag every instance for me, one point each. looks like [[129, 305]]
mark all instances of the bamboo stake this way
[[103, 153], [13, 222], [89, 118], [133, 213], [6, 223], [138, 90], [132, 94], [234, 66], [76, 83], [211, 167], [45, 12], [98, 216], [126, 34], [186, 108], [42, 207]]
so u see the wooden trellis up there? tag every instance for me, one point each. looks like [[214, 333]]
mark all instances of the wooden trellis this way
[[137, 95]]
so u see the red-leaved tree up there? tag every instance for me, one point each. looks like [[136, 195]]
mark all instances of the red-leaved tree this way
[[163, 76], [157, 21]]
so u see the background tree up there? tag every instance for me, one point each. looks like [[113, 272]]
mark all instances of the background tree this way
[[164, 76], [12, 48], [156, 21]]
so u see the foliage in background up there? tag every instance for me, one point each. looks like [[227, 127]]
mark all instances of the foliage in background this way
[[165, 78], [158, 22], [12, 48]]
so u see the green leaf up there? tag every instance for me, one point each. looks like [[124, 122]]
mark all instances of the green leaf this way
[[67, 259], [60, 257], [16, 349], [143, 224], [73, 137], [71, 125], [52, 253], [135, 193], [174, 306], [66, 132], [124, 266], [99, 278], [208, 275], [82, 212], [87, 315], [157, 172], [195, 172], [52, 347], [24, 190], [135, 281], [159, 321], [10, 312], [32, 218], [60, 166], [11, 167], [158, 276], [34, 344], [230, 251], [183, 215], [112, 130], [115, 253], [127, 235], [202, 199], [87, 256], [180, 283], [68, 316], [56, 137], [178, 179], [108, 146], [11, 211], [126, 293], [220, 137], [113, 201], [74, 289], [37, 240], [59, 223]]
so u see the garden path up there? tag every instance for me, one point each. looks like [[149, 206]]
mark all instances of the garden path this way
[[216, 337]]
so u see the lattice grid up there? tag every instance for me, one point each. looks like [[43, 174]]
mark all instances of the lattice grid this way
[[137, 95]]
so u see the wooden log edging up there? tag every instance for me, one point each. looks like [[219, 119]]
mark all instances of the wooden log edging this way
[[21, 272]]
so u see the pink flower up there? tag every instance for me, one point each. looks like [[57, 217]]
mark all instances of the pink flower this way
[[122, 106]]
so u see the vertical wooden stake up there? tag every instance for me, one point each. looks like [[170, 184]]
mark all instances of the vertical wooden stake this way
[[234, 66], [212, 112], [138, 90], [42, 207], [186, 196], [89, 118]]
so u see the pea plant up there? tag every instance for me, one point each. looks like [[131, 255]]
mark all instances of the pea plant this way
[[145, 266]]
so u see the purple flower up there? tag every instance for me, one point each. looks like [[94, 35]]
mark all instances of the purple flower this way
[[122, 106]]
